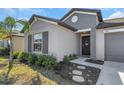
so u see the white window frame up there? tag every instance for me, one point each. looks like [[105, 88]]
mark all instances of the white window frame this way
[[38, 52]]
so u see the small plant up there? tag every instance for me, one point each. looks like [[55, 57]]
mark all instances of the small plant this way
[[66, 58], [23, 57], [32, 58], [70, 57], [16, 54]]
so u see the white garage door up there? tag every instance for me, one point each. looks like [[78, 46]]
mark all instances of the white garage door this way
[[114, 46]]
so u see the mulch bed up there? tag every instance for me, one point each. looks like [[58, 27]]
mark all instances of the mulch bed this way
[[95, 61], [65, 70]]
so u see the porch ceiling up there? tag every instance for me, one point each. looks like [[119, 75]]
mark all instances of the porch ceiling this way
[[83, 30]]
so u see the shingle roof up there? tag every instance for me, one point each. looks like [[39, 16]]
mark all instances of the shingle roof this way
[[102, 25], [59, 22], [98, 12], [54, 20]]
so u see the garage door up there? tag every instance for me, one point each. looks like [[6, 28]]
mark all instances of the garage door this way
[[114, 47]]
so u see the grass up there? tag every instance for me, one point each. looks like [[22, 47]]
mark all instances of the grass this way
[[22, 74]]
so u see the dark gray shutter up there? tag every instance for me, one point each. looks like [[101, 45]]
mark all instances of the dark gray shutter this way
[[45, 42], [29, 43]]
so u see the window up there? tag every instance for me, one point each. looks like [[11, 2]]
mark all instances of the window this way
[[37, 42]]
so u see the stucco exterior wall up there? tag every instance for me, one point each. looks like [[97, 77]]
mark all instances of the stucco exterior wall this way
[[100, 45], [86, 21], [61, 41], [67, 42], [26, 41], [18, 43]]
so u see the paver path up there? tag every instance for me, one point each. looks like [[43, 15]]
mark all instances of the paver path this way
[[80, 74]]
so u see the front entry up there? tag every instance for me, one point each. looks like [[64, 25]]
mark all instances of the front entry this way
[[86, 45]]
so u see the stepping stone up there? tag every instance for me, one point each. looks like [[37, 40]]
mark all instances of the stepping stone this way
[[77, 72], [78, 78], [81, 67], [89, 80], [88, 75], [89, 71]]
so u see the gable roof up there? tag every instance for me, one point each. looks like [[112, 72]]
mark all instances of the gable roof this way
[[53, 20], [98, 12], [102, 25]]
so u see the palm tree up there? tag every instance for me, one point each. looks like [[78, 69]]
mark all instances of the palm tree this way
[[7, 27]]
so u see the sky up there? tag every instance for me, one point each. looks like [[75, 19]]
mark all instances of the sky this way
[[57, 13]]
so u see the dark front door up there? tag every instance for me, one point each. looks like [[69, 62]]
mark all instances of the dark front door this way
[[86, 45]]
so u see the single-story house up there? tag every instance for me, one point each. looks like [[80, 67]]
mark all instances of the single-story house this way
[[4, 43], [80, 32], [18, 41]]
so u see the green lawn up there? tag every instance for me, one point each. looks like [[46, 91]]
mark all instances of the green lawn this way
[[22, 74]]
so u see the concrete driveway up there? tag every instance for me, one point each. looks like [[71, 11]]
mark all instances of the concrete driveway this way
[[112, 74]]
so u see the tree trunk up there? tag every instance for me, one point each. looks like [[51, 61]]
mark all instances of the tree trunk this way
[[11, 52], [10, 61]]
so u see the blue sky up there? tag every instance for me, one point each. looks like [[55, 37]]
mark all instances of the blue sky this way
[[25, 13]]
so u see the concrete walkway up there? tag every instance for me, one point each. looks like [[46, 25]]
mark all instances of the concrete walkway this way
[[81, 61], [111, 74]]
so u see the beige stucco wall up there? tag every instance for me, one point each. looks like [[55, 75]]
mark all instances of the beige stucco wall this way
[[18, 43], [61, 41]]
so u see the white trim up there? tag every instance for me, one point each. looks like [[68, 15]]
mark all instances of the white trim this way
[[82, 12], [85, 35], [47, 21], [41, 19], [114, 30], [37, 52], [83, 30]]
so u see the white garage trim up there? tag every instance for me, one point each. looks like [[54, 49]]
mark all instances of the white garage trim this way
[[113, 30]]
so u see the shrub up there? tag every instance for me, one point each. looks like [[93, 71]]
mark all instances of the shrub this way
[[4, 51], [32, 58], [47, 61], [70, 57], [40, 60], [16, 54], [66, 58], [23, 56]]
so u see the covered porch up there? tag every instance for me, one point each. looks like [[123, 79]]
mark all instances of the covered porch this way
[[84, 42]]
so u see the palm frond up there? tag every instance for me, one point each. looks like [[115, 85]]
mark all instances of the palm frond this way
[[10, 23], [25, 24]]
